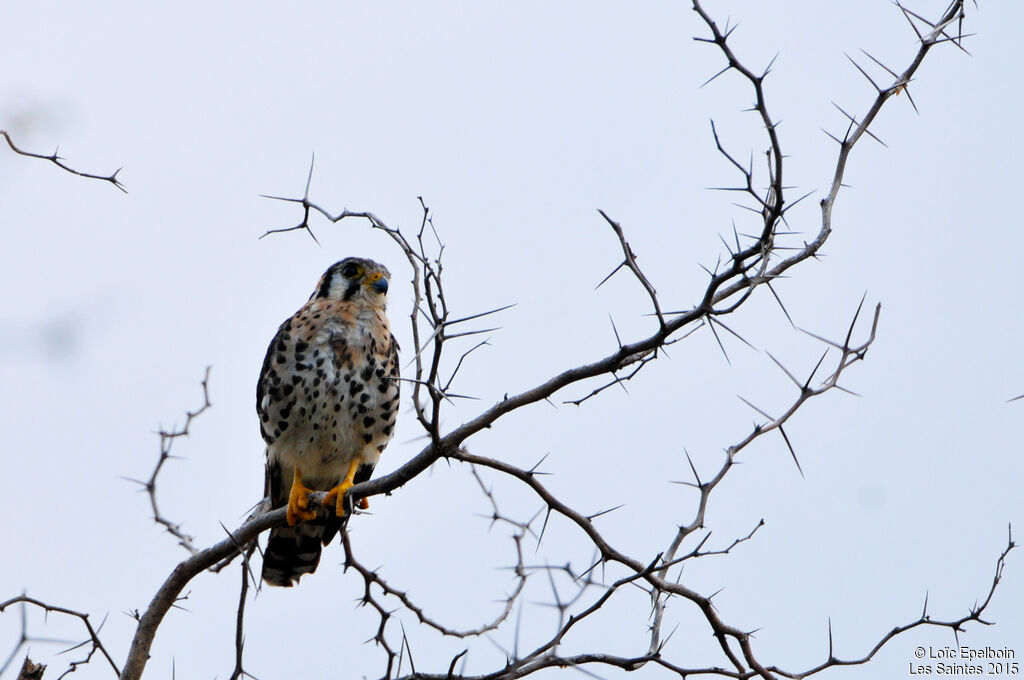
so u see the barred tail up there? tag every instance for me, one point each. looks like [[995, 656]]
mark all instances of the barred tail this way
[[292, 552]]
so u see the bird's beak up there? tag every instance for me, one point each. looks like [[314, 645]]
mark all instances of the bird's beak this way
[[378, 282]]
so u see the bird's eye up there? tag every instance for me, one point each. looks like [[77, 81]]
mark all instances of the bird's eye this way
[[350, 271]]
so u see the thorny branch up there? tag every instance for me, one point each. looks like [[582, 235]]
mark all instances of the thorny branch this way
[[167, 439], [372, 579], [435, 326], [93, 642], [631, 264], [239, 673], [57, 160], [956, 625], [545, 656]]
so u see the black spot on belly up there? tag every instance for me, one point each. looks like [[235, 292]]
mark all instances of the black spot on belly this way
[[367, 437], [301, 346], [355, 388], [279, 358], [369, 420]]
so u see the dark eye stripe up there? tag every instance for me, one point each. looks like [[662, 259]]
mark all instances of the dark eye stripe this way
[[325, 288], [353, 287]]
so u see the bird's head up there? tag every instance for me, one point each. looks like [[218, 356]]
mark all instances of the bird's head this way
[[355, 278]]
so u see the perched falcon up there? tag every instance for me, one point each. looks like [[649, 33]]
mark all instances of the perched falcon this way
[[327, 398]]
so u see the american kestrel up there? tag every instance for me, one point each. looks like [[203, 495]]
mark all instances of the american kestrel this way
[[327, 398]]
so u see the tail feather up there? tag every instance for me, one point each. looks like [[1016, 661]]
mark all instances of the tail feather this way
[[292, 552]]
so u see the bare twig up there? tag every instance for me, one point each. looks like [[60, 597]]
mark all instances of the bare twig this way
[[59, 162], [93, 641], [630, 263], [239, 672], [167, 439], [373, 579]]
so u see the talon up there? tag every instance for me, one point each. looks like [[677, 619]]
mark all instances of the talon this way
[[331, 499], [363, 504], [336, 496], [298, 501]]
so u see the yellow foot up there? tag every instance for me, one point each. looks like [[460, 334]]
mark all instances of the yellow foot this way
[[336, 496], [298, 501]]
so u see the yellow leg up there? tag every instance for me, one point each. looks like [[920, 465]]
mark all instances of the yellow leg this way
[[298, 501], [336, 496]]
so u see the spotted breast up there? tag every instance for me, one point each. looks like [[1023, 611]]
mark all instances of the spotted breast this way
[[327, 399]]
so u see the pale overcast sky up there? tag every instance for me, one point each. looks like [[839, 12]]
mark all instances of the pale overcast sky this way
[[515, 122]]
